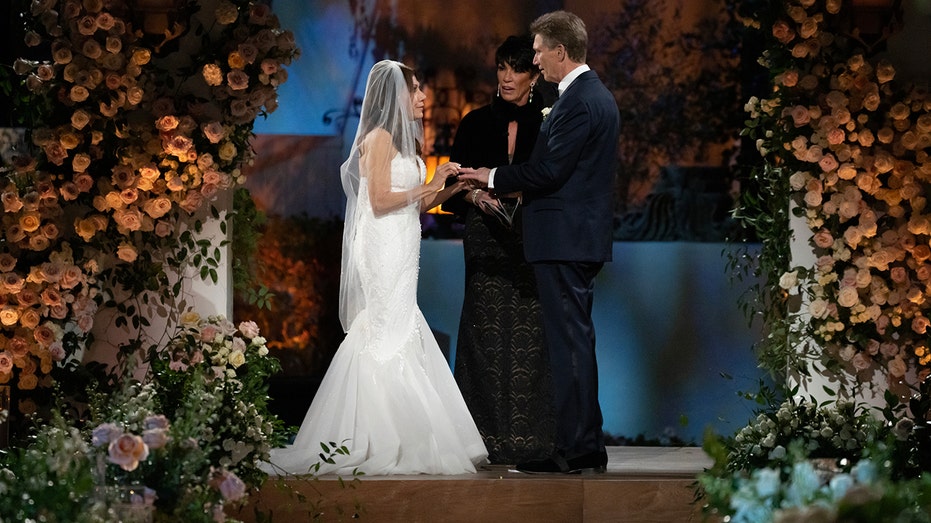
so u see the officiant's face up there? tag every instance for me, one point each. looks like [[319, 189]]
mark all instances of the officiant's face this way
[[513, 86]]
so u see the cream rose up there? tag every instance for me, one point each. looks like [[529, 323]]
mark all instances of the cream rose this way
[[848, 297], [237, 359]]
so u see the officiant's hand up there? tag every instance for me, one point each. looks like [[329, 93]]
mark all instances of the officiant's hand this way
[[478, 176], [484, 201]]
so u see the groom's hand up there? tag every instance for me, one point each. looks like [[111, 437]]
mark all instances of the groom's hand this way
[[478, 177]]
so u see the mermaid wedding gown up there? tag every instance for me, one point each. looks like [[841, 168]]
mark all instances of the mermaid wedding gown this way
[[389, 394]]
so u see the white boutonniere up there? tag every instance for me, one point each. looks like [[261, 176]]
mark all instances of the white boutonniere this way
[[546, 112]]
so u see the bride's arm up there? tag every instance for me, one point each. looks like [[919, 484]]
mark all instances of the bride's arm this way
[[375, 162]]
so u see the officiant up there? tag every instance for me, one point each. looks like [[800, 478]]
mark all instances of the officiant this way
[[501, 363]]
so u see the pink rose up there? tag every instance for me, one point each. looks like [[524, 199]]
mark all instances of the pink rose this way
[[155, 438], [823, 238], [156, 421], [44, 335], [163, 229], [238, 79], [209, 333], [899, 275], [861, 361], [249, 329], [6, 362], [230, 486], [129, 219], [57, 351]]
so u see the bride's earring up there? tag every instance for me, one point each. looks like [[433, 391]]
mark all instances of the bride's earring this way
[[530, 98], [498, 93]]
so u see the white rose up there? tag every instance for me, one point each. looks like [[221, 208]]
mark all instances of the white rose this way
[[788, 280]]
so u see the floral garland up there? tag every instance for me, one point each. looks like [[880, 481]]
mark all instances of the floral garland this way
[[134, 134], [854, 147]]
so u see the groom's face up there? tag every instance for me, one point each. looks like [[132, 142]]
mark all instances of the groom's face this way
[[547, 59]]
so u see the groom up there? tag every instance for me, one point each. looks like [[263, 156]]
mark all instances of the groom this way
[[568, 191]]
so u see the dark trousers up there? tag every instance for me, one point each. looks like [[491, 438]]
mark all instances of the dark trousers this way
[[566, 291]]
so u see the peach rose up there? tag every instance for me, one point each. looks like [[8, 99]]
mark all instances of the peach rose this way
[[212, 74], [897, 367], [818, 308], [783, 32], [28, 381], [127, 451], [226, 13], [9, 316], [30, 222], [127, 252], [141, 56]]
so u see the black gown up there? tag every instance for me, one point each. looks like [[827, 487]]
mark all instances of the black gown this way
[[501, 362]]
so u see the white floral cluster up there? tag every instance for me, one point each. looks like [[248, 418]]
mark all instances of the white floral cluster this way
[[215, 342], [839, 430]]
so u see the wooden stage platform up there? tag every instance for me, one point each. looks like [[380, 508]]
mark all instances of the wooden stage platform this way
[[642, 484]]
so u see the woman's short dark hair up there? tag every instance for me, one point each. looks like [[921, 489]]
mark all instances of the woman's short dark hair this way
[[517, 51]]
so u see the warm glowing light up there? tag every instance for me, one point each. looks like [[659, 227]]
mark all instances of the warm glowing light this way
[[433, 161]]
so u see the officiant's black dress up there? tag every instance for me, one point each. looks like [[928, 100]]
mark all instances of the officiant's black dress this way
[[501, 363]]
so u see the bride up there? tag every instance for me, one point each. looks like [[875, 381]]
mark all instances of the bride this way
[[389, 394]]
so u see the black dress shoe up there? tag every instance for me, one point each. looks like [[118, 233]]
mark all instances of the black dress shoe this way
[[555, 464], [591, 463]]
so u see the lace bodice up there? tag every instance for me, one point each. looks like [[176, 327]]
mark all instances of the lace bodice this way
[[389, 247]]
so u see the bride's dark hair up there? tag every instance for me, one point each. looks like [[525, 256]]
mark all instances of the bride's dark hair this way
[[409, 75]]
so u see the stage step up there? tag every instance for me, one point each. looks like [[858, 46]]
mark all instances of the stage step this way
[[643, 484]]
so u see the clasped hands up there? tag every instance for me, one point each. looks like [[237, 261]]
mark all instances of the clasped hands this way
[[476, 181]]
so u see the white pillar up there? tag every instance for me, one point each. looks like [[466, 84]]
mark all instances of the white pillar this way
[[202, 296]]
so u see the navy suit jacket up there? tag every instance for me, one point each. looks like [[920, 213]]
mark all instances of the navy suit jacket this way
[[568, 182]]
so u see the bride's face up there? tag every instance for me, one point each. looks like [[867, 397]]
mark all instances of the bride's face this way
[[417, 100]]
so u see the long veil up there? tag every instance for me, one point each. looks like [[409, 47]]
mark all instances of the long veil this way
[[386, 105]]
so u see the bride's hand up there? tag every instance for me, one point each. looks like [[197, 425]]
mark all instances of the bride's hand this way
[[442, 172]]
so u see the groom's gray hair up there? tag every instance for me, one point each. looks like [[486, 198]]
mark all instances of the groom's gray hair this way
[[563, 27]]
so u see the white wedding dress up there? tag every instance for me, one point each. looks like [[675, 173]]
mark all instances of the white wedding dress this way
[[389, 394]]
